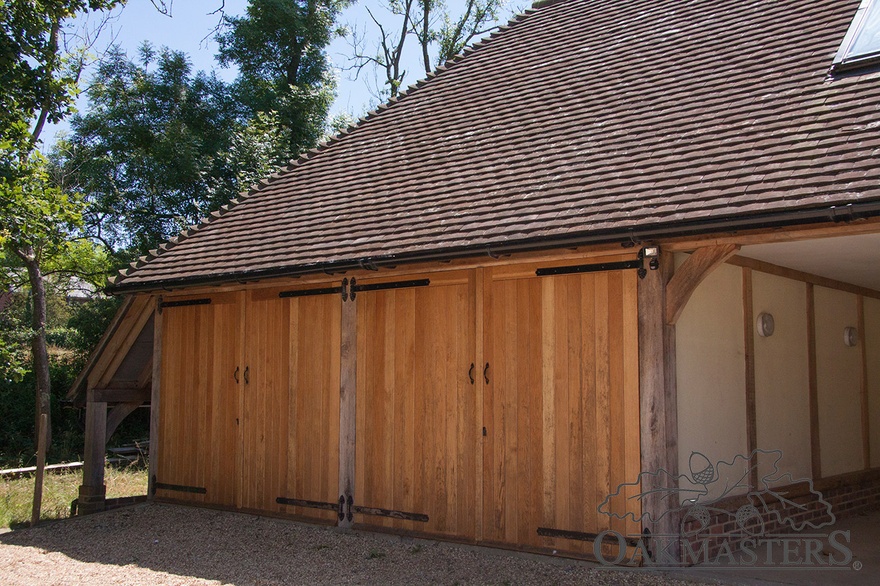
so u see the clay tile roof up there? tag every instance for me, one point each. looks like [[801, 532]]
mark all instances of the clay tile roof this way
[[580, 118]]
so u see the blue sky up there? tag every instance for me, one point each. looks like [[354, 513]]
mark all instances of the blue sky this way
[[191, 25]]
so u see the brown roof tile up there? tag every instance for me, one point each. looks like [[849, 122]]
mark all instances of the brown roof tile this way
[[582, 117]]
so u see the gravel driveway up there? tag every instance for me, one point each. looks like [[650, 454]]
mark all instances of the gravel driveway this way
[[166, 544]]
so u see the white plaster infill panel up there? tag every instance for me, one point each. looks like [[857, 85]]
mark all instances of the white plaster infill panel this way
[[710, 370], [782, 382], [838, 377]]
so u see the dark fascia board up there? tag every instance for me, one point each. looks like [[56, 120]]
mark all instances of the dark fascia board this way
[[634, 235]]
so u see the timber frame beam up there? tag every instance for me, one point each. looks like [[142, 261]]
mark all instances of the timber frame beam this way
[[690, 274]]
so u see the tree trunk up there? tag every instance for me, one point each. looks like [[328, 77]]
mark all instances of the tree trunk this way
[[426, 34], [38, 342]]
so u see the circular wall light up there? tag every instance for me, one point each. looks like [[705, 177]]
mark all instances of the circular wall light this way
[[765, 324], [850, 336]]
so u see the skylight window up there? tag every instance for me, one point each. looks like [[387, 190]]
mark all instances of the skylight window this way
[[861, 45]]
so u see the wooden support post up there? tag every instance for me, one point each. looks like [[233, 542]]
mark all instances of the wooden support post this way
[[347, 403], [751, 398], [658, 409], [41, 468], [154, 399], [92, 492], [866, 415], [815, 447], [690, 274]]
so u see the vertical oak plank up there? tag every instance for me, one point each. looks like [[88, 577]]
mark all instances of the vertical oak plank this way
[[477, 317], [815, 447], [630, 355]]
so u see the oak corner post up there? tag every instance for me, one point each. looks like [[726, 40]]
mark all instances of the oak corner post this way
[[155, 398], [657, 399], [92, 492]]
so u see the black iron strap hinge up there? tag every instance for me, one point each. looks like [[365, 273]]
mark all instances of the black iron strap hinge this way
[[348, 289], [310, 292], [177, 487], [184, 303], [651, 253], [345, 505], [591, 268]]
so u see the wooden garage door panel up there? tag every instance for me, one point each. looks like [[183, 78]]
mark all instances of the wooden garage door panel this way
[[561, 407], [265, 404], [199, 401], [290, 433], [313, 442], [416, 408]]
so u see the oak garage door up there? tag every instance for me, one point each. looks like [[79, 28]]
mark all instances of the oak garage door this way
[[199, 404], [492, 405], [290, 433], [560, 403], [417, 431], [249, 412]]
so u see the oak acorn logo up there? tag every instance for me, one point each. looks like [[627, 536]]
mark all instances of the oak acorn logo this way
[[702, 499]]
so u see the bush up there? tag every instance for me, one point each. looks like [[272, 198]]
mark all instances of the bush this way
[[86, 325]]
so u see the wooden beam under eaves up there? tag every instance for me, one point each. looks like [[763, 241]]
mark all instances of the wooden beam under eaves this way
[[120, 395], [690, 274]]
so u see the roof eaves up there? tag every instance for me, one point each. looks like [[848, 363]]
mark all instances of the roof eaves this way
[[635, 234]]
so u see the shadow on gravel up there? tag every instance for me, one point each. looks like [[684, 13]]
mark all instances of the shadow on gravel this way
[[243, 549]]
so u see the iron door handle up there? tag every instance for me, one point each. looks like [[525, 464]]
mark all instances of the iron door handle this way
[[486, 373], [471, 373], [235, 374], [247, 378]]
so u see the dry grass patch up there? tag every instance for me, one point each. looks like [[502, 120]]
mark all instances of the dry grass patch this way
[[59, 490]]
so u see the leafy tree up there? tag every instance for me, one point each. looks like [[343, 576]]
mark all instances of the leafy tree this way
[[278, 46], [154, 151], [38, 77], [38, 221], [454, 33]]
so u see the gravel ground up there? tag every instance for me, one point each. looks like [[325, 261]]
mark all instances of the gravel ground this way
[[172, 545]]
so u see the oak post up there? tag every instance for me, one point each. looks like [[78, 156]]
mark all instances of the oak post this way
[[658, 410], [347, 404], [815, 445], [751, 389], [155, 394], [92, 492], [866, 415]]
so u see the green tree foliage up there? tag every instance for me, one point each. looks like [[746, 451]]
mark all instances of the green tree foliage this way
[[454, 32], [278, 46], [154, 151], [38, 80], [38, 76]]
